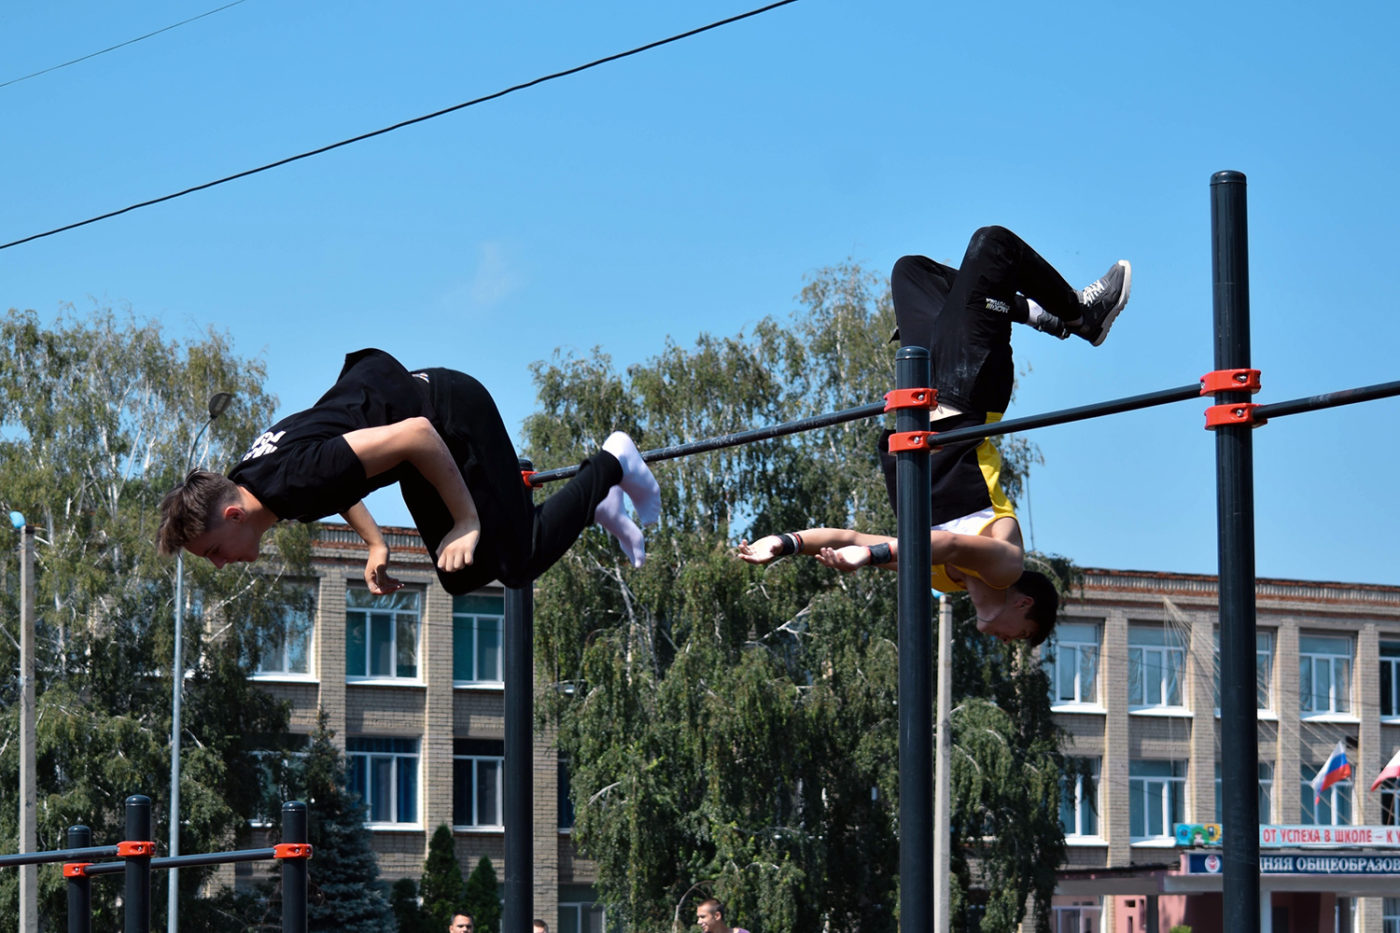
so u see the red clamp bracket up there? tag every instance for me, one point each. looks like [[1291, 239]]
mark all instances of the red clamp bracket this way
[[1219, 416], [911, 398], [75, 869], [136, 849], [912, 440], [1230, 380], [525, 476], [292, 850]]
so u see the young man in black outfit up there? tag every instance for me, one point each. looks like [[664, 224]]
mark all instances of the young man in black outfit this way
[[438, 434], [964, 316]]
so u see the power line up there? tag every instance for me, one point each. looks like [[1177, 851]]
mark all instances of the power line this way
[[398, 126], [113, 48]]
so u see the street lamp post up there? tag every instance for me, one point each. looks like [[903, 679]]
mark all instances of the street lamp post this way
[[28, 769], [218, 404]]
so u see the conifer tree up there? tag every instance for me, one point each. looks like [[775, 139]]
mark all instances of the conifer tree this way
[[483, 897], [443, 889]]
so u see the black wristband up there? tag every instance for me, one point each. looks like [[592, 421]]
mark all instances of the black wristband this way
[[789, 545], [880, 554]]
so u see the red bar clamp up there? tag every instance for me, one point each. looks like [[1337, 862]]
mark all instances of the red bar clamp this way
[[1230, 380], [75, 869], [292, 850], [912, 440], [136, 849], [1219, 416], [525, 476], [911, 398]]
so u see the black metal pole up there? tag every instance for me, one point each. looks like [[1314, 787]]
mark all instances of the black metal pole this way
[[518, 908], [79, 886], [1234, 457], [136, 904], [294, 870], [1326, 400], [915, 659]]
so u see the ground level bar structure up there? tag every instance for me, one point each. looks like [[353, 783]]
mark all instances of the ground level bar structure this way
[[1232, 418], [138, 861]]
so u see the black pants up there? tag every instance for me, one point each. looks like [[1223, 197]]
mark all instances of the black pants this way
[[519, 540], [963, 315]]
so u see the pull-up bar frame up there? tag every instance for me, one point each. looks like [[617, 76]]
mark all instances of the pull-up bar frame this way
[[1235, 524]]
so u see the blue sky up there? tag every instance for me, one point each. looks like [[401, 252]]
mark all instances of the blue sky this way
[[694, 187]]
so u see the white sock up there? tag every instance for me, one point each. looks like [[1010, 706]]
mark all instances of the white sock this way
[[611, 513], [641, 487], [1037, 313]]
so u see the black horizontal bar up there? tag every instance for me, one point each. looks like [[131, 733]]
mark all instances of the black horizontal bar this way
[[1326, 400], [1062, 416], [180, 861], [59, 855], [810, 423]]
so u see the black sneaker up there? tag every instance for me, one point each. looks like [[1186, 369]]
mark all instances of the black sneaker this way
[[1049, 324], [1102, 301]]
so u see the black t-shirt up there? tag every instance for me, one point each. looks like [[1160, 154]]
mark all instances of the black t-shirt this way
[[302, 468]]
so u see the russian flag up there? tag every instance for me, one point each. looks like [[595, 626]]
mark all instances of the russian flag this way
[[1334, 770]]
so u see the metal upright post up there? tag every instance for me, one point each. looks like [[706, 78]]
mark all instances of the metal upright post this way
[[1234, 453], [942, 778], [915, 658], [136, 904], [79, 885], [28, 770], [294, 870], [519, 646]]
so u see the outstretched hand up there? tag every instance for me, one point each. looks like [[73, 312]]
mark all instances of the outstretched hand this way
[[848, 558], [377, 572], [458, 547], [762, 551]]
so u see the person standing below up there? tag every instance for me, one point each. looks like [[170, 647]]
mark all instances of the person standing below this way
[[541, 926], [963, 317], [461, 923], [438, 434], [710, 916]]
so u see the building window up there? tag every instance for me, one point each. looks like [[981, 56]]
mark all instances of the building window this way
[[1077, 918], [1334, 809], [384, 772], [566, 797], [583, 917], [1155, 661], [287, 648], [1390, 804], [478, 768], [1266, 792], [381, 633], [1157, 798], [1390, 915], [1079, 798], [276, 770], [476, 638], [1324, 677], [1390, 678], [1074, 663]]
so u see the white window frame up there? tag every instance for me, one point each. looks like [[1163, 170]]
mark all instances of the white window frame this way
[[1074, 655], [1170, 659], [290, 615], [1083, 796], [470, 613], [395, 757], [1390, 659], [578, 910], [1315, 660], [1165, 793], [402, 607], [1390, 803], [1069, 918], [475, 762], [1390, 915], [1332, 798]]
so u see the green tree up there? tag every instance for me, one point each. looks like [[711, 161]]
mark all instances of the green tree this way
[[344, 892], [97, 415], [482, 897], [733, 730], [403, 899], [444, 890]]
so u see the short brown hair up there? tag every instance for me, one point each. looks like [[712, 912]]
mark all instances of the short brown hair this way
[[1045, 603], [187, 511]]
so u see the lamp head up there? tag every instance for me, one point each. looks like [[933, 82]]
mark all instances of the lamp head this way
[[219, 403], [17, 519]]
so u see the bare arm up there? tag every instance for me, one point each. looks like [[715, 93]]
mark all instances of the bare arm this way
[[377, 566], [814, 541], [995, 561], [415, 441]]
